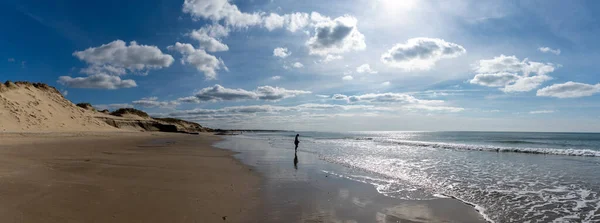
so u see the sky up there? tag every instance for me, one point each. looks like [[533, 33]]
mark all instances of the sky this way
[[337, 65]]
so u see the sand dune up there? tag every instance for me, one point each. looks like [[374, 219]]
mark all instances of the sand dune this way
[[36, 107]]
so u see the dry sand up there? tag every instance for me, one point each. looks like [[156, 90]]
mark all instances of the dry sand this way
[[29, 107], [122, 177]]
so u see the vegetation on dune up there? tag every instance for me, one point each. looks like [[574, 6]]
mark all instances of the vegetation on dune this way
[[124, 111], [86, 105], [176, 120]]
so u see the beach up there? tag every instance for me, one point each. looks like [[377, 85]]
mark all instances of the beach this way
[[122, 177], [162, 177]]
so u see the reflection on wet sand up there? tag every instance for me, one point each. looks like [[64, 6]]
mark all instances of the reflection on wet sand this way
[[311, 195], [296, 161]]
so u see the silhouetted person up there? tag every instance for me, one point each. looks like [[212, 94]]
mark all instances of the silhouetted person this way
[[295, 161], [296, 142]]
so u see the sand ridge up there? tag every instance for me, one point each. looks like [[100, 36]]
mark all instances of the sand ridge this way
[[33, 107]]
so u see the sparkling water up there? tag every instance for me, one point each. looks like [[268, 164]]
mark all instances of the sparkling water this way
[[507, 176]]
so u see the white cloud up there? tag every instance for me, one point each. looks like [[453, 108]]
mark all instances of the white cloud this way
[[99, 81], [281, 52], [202, 61], [296, 21], [512, 64], [217, 10], [549, 50], [276, 93], [365, 68], [433, 108], [406, 101], [274, 21], [275, 78], [494, 79], [526, 83], [153, 102], [209, 37], [347, 78], [511, 74], [220, 93], [298, 65], [330, 58], [340, 97], [103, 69], [569, 90], [117, 55], [335, 36], [387, 83], [65, 93], [421, 53], [541, 112], [390, 97]]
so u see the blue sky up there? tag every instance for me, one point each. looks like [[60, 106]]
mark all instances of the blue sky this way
[[318, 65]]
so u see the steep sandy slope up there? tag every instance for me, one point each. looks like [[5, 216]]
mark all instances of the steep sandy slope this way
[[36, 107]]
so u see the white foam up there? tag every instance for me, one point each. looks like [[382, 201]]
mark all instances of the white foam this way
[[458, 146]]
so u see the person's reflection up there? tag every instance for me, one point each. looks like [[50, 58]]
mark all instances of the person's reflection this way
[[295, 160]]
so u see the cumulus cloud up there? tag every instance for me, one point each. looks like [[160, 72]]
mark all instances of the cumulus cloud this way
[[526, 83], [292, 22], [281, 52], [152, 102], [220, 93], [365, 68], [117, 55], [275, 78], [494, 79], [406, 101], [330, 58], [421, 53], [335, 36], [512, 64], [274, 21], [347, 78], [253, 109], [298, 65], [569, 90], [103, 69], [541, 112], [98, 81], [511, 74], [390, 98], [202, 61], [549, 50], [276, 93], [209, 37], [340, 97], [221, 10]]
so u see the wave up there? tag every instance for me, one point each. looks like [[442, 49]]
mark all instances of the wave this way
[[528, 150]]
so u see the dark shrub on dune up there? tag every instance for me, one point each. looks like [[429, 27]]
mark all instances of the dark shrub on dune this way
[[133, 111], [86, 106]]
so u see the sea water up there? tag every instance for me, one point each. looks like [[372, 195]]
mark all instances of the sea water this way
[[507, 176]]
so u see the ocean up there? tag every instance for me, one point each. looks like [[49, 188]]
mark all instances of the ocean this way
[[506, 176]]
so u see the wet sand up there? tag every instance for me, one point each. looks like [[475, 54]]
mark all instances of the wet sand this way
[[159, 177], [123, 177], [296, 189]]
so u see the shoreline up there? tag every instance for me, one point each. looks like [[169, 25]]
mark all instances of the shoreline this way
[[123, 177], [305, 192]]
